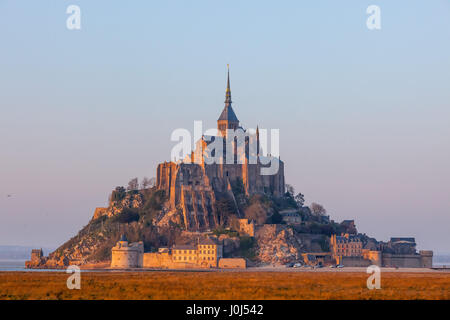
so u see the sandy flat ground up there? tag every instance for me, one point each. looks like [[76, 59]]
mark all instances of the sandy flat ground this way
[[249, 284], [347, 269]]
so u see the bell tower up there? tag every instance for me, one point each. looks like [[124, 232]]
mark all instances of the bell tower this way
[[227, 119]]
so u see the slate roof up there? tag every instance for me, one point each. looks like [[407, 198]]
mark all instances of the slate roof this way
[[228, 114], [208, 241], [183, 247], [403, 239]]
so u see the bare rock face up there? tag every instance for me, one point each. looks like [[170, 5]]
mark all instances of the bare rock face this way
[[167, 216], [99, 212], [47, 263], [277, 245], [131, 201], [35, 264]]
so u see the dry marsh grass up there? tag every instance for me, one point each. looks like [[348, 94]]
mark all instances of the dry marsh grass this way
[[223, 285]]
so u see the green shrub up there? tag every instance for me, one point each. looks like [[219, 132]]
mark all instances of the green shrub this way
[[126, 216], [155, 201], [324, 244], [247, 247], [231, 233], [103, 253], [238, 187], [275, 218], [225, 207], [118, 194]]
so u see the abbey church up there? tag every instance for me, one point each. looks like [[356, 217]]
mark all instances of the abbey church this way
[[195, 183]]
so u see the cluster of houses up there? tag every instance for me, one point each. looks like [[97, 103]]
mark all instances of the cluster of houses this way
[[207, 253], [348, 250]]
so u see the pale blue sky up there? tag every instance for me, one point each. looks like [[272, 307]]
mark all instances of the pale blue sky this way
[[364, 116]]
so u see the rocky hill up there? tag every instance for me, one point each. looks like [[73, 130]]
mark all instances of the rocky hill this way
[[133, 213], [143, 215]]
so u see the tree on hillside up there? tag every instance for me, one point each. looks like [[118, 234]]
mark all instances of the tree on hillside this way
[[300, 199], [145, 183], [133, 184], [290, 189], [317, 209], [126, 216], [225, 208], [148, 183]]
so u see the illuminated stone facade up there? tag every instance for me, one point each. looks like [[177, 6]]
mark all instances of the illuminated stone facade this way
[[125, 255], [206, 254], [195, 183]]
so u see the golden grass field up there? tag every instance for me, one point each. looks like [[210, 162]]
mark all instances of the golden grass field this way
[[223, 285]]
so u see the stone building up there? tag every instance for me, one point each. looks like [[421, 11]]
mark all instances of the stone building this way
[[346, 245], [161, 259], [36, 259], [398, 252], [400, 245], [206, 254], [246, 227], [197, 182], [423, 259], [291, 216], [347, 250], [401, 252], [232, 263], [317, 258], [125, 255], [209, 252], [185, 254], [374, 256], [36, 255]]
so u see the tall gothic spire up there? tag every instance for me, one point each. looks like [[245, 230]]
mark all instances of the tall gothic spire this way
[[228, 91], [227, 119]]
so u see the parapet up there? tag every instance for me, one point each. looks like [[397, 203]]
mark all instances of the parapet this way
[[232, 263], [426, 253]]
